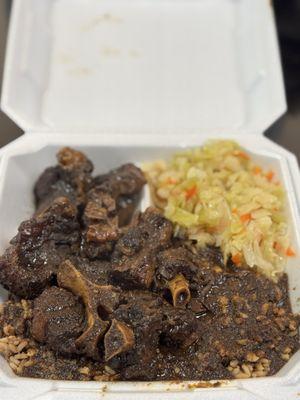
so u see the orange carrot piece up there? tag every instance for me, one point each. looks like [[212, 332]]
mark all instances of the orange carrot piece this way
[[234, 210], [270, 175], [241, 154], [189, 193], [245, 217], [171, 181], [257, 170], [277, 246], [290, 252], [236, 259]]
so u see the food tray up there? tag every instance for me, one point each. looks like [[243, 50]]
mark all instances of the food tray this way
[[63, 92]]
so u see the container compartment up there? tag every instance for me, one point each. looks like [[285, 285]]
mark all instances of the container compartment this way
[[35, 152]]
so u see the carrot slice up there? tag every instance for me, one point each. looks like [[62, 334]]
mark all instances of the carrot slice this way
[[241, 154], [277, 246], [171, 181], [234, 210], [270, 175], [236, 259], [257, 170], [245, 217], [290, 252], [190, 192]]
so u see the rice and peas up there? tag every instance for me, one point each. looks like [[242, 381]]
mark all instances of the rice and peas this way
[[217, 195]]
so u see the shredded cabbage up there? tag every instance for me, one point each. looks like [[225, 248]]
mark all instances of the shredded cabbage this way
[[217, 195]]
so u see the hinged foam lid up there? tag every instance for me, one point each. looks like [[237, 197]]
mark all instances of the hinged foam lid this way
[[180, 66]]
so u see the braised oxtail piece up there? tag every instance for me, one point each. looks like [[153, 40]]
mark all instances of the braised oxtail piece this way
[[133, 260], [100, 221], [158, 329], [58, 320], [70, 178], [124, 184], [42, 243], [97, 300]]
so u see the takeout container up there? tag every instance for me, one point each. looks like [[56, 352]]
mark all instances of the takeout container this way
[[134, 80]]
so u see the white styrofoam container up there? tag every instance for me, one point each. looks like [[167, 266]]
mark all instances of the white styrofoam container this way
[[133, 80]]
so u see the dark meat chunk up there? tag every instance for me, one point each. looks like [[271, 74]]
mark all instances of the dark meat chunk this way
[[157, 327], [155, 229], [54, 227], [180, 329], [123, 181], [183, 278], [174, 261], [134, 272], [41, 244], [209, 256], [96, 271], [99, 302], [126, 206], [70, 178], [124, 184], [58, 319], [100, 225], [49, 186], [142, 313], [133, 260], [23, 281]]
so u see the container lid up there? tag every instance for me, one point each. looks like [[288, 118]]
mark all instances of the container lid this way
[[133, 66]]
